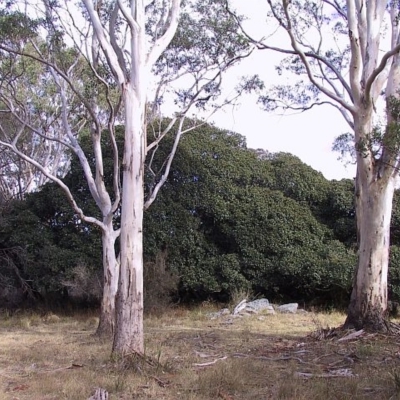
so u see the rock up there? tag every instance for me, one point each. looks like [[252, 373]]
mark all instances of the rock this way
[[241, 306], [258, 305], [253, 307], [290, 308], [269, 310], [249, 311], [245, 308]]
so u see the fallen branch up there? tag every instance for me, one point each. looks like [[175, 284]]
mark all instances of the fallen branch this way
[[72, 366], [203, 355], [241, 306], [352, 335], [322, 356], [210, 363], [323, 334], [286, 358], [100, 394], [339, 373]]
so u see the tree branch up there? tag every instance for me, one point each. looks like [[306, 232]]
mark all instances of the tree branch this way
[[108, 50], [303, 58], [379, 69], [59, 182], [133, 25], [161, 43], [337, 8], [164, 176], [263, 46], [355, 60], [113, 39]]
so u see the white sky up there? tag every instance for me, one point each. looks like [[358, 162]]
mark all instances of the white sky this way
[[308, 135]]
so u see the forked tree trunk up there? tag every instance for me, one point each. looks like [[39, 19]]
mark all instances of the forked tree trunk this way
[[131, 69], [368, 303], [128, 337], [110, 284]]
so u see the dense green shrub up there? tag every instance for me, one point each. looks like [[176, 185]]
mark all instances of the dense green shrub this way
[[228, 219], [227, 226]]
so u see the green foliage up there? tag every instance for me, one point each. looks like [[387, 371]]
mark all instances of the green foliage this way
[[42, 243], [338, 211], [227, 219], [394, 273], [395, 222], [17, 26], [234, 221], [308, 22], [298, 180], [383, 143], [344, 145], [206, 44]]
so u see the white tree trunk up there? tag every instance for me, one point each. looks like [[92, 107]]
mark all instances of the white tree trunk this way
[[368, 303], [375, 186], [110, 283], [131, 73], [128, 337]]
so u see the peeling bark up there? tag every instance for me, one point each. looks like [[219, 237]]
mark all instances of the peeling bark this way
[[368, 303], [110, 285], [128, 336], [370, 72]]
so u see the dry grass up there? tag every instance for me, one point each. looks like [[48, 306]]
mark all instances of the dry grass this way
[[255, 357]]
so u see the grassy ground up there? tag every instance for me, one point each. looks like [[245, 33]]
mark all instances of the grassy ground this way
[[193, 358]]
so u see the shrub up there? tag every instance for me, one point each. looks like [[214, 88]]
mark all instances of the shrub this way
[[160, 284], [84, 285]]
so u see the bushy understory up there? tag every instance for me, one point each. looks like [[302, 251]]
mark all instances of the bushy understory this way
[[228, 219]]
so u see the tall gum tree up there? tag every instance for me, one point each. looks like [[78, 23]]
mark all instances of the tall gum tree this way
[[124, 47], [133, 82], [18, 177], [54, 115], [346, 54]]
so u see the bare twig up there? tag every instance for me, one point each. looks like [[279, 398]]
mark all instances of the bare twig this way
[[210, 363], [338, 373]]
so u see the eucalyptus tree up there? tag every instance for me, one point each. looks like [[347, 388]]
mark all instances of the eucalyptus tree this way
[[125, 58], [346, 54], [25, 79]]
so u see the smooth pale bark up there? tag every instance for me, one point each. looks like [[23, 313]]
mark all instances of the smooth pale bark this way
[[132, 78], [128, 336], [375, 172], [368, 303], [110, 284], [375, 185], [374, 190], [376, 176]]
